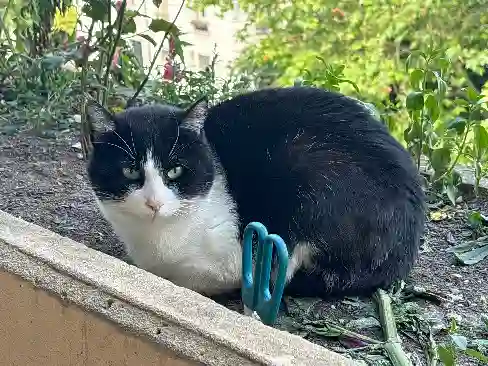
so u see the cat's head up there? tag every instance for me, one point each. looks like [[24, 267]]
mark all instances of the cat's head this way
[[150, 161]]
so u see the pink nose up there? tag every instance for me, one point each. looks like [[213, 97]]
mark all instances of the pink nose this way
[[153, 205]]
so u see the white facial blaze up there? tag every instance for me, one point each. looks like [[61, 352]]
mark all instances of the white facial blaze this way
[[156, 191], [153, 189]]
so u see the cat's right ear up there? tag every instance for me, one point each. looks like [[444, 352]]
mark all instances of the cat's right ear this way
[[99, 118]]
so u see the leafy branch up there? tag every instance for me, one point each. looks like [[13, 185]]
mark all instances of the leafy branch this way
[[174, 32]]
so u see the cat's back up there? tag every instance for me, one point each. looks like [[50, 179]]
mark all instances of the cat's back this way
[[304, 131], [279, 111]]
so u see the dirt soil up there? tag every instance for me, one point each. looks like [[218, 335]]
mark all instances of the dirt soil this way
[[44, 181]]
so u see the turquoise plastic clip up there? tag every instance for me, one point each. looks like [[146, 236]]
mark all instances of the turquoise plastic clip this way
[[256, 295]]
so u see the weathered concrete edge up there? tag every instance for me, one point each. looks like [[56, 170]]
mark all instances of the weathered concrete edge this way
[[132, 318], [185, 318]]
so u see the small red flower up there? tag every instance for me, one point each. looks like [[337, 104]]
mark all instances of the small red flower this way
[[168, 71], [265, 58], [339, 12], [118, 5]]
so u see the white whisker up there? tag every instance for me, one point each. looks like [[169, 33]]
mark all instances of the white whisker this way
[[132, 138], [126, 144], [176, 141], [117, 146]]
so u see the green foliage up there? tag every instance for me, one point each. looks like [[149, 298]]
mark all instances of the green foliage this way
[[410, 59], [44, 89], [441, 132], [473, 349], [372, 37], [31, 22]]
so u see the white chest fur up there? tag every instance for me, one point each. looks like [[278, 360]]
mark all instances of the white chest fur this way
[[197, 249]]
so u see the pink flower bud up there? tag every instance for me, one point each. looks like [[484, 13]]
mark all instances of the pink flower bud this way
[[115, 59], [168, 71]]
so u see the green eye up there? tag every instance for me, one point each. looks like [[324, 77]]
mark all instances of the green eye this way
[[130, 173], [175, 173]]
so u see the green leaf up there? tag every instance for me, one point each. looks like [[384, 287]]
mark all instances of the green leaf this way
[[476, 354], [432, 106], [471, 252], [413, 132], [460, 341], [96, 9], [444, 64], [452, 193], [440, 159], [458, 124], [447, 354], [475, 220], [129, 26], [179, 48], [481, 137], [472, 94], [473, 256], [162, 25], [475, 114], [415, 101], [148, 38], [52, 62], [416, 78], [461, 102]]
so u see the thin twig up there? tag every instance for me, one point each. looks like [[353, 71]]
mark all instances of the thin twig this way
[[342, 332], [86, 126], [120, 21], [153, 62]]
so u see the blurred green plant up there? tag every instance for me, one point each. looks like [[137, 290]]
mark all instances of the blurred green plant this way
[[99, 63], [475, 349]]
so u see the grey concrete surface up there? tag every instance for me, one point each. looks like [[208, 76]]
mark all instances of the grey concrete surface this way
[[175, 317]]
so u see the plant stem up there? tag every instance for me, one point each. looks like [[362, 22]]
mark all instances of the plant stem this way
[[460, 151], [120, 21], [86, 126], [153, 62], [392, 340]]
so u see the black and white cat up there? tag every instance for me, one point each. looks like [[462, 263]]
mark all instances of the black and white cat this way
[[315, 167]]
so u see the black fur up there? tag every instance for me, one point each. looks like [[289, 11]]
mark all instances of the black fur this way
[[313, 166]]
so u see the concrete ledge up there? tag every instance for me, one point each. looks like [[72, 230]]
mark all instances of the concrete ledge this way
[[178, 319]]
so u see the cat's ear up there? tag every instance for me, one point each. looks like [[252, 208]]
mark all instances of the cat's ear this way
[[196, 115], [100, 119]]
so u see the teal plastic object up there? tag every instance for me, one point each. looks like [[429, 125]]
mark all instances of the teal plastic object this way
[[255, 289]]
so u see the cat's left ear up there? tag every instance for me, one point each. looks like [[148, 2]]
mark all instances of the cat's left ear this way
[[100, 119], [196, 115]]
